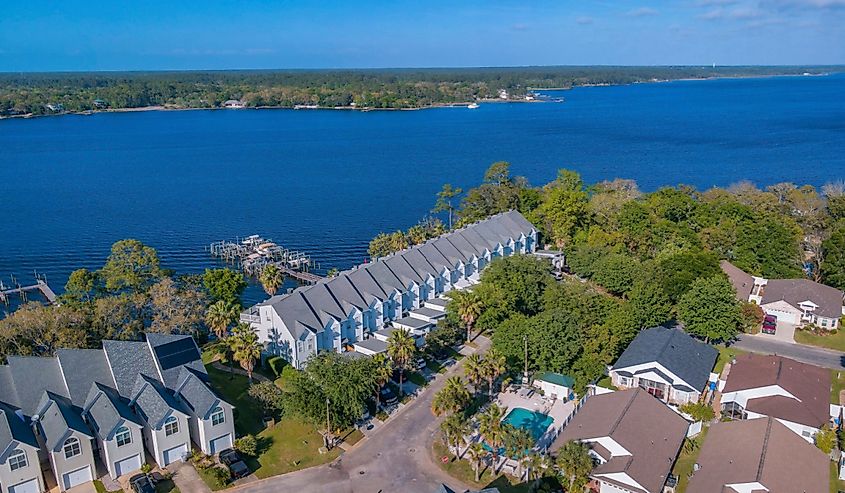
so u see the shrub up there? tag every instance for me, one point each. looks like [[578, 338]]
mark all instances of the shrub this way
[[146, 468], [699, 411], [220, 476], [247, 445], [277, 364]]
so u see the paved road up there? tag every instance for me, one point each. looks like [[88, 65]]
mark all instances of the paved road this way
[[808, 354], [396, 458]]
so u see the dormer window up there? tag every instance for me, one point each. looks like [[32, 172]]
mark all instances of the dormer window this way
[[171, 426], [218, 416], [17, 460], [123, 436], [72, 448]]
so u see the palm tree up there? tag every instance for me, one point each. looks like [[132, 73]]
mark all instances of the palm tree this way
[[401, 348], [575, 464], [271, 278], [453, 397], [474, 370], [219, 316], [382, 371], [536, 465], [477, 453], [494, 366], [490, 427], [468, 305], [455, 429], [246, 348], [518, 443]]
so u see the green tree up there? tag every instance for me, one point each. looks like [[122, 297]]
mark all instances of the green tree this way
[[650, 306], [474, 370], [131, 265], [444, 201], [246, 349], [575, 464], [271, 279], [269, 395], [518, 443], [401, 349], [616, 272], [833, 265], [224, 284], [37, 330], [493, 366], [477, 453], [825, 439], [710, 309], [247, 445], [381, 372], [468, 307], [219, 316], [515, 284], [491, 428], [176, 308], [453, 397], [564, 207], [80, 285], [455, 429]]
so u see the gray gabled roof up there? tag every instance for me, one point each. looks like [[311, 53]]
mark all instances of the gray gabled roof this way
[[346, 293], [154, 402], [128, 360], [689, 359], [364, 283], [33, 375], [195, 392], [448, 250], [435, 257], [419, 263], [796, 291], [385, 277], [174, 352], [324, 304], [297, 315], [458, 240], [13, 427], [7, 387], [57, 417], [106, 410], [82, 368]]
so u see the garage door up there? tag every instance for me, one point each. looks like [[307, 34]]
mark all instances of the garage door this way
[[174, 454], [126, 466], [221, 443], [77, 477], [784, 316], [30, 486]]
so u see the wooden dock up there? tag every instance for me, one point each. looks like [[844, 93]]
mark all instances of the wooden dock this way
[[39, 286], [254, 253]]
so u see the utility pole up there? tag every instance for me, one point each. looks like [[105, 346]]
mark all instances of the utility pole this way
[[525, 374], [328, 425]]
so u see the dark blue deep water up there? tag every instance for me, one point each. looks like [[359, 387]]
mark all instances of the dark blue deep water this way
[[327, 181]]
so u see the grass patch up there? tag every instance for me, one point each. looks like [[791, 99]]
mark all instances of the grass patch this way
[[167, 486], [352, 436], [292, 445], [830, 341], [686, 461], [101, 488], [725, 355], [416, 379], [837, 379], [434, 366], [209, 479], [606, 383], [234, 390], [836, 485], [462, 470]]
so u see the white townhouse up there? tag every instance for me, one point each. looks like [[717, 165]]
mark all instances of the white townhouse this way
[[84, 408], [794, 301], [345, 312], [794, 393]]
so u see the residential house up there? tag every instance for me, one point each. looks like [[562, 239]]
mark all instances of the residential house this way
[[633, 437], [86, 412], [758, 455], [667, 363], [794, 301], [341, 313], [794, 393]]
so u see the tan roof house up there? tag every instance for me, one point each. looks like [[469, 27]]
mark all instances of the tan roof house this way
[[795, 393], [758, 456], [634, 437]]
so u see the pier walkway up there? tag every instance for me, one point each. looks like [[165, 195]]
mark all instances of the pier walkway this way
[[40, 286]]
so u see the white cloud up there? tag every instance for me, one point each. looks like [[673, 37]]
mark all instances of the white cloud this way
[[642, 12], [712, 15], [745, 13], [719, 3]]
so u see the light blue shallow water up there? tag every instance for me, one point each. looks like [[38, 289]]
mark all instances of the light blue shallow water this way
[[327, 181]]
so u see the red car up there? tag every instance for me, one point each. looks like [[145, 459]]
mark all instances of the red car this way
[[770, 324]]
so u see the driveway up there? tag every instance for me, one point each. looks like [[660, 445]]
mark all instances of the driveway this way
[[784, 332], [394, 458], [765, 344]]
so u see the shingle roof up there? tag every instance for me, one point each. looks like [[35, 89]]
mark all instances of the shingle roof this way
[[742, 282], [81, 368], [174, 352], [57, 416], [759, 450], [809, 383], [194, 391], [33, 375], [640, 423], [689, 359], [7, 386], [106, 410], [127, 360], [373, 345], [795, 291], [12, 427], [154, 401]]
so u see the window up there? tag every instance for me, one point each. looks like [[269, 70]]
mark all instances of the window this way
[[123, 436], [218, 416], [72, 448], [17, 460], [171, 426]]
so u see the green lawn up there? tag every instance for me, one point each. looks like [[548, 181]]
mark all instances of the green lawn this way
[[835, 484], [233, 388], [351, 437], [209, 479], [725, 355], [837, 378], [606, 383], [101, 488], [831, 341], [416, 379], [684, 464], [167, 486]]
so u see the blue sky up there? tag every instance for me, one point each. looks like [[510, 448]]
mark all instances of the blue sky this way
[[186, 34]]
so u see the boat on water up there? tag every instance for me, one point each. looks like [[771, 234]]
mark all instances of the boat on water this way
[[472, 106]]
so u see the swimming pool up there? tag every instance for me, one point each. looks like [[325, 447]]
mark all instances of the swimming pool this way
[[535, 422]]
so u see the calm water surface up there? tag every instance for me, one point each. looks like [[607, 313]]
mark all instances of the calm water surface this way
[[327, 181]]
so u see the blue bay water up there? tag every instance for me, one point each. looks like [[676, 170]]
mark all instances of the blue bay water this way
[[327, 181]]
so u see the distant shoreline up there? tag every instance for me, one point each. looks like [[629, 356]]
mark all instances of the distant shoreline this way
[[416, 108]]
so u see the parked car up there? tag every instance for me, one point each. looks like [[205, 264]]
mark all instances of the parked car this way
[[770, 324], [420, 363], [231, 459], [388, 397], [140, 483]]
